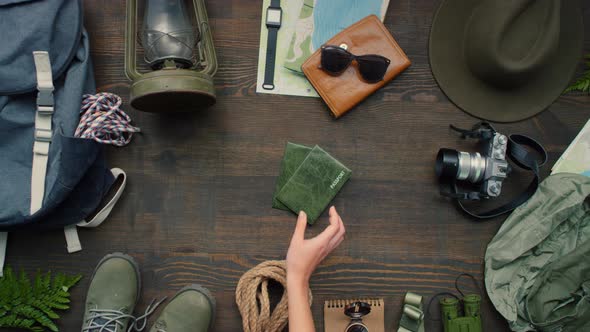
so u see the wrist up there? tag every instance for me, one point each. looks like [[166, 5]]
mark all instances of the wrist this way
[[297, 282]]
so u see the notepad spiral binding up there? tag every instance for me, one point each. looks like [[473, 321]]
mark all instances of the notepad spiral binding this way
[[341, 303]]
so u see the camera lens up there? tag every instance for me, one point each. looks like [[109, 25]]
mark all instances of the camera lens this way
[[447, 163], [453, 164], [472, 167], [357, 327]]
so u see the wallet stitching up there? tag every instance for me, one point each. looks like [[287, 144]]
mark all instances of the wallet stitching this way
[[337, 112]]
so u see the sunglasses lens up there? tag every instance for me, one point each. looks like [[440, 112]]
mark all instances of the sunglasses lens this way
[[373, 67], [335, 60]]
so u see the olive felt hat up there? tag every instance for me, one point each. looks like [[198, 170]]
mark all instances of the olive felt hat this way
[[505, 60]]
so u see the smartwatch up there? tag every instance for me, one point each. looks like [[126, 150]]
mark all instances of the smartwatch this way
[[274, 15]]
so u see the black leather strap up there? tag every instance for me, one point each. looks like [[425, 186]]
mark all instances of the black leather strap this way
[[524, 152], [271, 51]]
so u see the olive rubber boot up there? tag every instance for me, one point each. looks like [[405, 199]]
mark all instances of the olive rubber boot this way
[[191, 309], [112, 295]]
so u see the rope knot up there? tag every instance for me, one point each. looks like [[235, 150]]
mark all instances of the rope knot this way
[[103, 120]]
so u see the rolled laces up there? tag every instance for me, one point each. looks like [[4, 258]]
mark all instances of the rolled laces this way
[[103, 120], [108, 320]]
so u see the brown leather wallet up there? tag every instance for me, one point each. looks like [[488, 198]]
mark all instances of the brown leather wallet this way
[[343, 92]]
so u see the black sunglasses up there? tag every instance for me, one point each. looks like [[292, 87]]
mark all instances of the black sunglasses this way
[[335, 60]]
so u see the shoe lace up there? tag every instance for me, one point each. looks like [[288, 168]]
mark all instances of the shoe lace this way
[[109, 320], [160, 326]]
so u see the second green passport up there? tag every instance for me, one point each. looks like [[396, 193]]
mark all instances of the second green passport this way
[[314, 184]]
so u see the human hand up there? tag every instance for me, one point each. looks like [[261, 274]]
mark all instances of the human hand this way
[[304, 255]]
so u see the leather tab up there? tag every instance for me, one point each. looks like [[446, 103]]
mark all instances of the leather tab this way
[[72, 239], [43, 70]]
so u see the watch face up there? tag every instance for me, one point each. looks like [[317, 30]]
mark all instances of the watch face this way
[[273, 17]]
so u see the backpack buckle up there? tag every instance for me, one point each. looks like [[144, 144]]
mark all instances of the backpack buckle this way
[[45, 110], [43, 135], [45, 98]]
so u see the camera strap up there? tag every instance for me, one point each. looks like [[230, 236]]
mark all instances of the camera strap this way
[[522, 150]]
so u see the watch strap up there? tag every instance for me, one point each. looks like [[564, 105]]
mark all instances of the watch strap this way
[[271, 51], [275, 3]]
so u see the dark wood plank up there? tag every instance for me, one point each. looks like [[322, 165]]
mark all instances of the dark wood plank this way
[[197, 208]]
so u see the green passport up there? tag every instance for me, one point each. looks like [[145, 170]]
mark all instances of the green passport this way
[[294, 156], [314, 184]]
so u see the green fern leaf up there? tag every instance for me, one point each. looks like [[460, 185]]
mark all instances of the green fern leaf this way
[[71, 281], [46, 308], [32, 304], [60, 279], [582, 84]]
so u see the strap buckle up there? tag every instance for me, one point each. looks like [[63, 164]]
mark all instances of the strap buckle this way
[[45, 99], [45, 110], [43, 135]]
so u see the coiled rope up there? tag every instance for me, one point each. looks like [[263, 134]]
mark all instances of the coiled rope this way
[[253, 300], [103, 120]]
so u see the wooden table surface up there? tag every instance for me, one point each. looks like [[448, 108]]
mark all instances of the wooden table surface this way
[[197, 208]]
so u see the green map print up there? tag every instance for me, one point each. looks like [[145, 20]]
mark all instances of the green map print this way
[[301, 47]]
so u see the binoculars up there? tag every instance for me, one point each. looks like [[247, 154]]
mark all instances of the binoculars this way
[[469, 322]]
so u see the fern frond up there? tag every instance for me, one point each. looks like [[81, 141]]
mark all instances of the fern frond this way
[[32, 304], [71, 281], [582, 84]]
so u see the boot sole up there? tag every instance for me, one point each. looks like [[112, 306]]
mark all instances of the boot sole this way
[[204, 291]]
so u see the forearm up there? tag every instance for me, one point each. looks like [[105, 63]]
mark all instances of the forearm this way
[[300, 317]]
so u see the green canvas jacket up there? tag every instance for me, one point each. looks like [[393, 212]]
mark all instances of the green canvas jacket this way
[[537, 267]]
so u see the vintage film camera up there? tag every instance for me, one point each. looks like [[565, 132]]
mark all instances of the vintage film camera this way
[[487, 169], [483, 173], [356, 311], [471, 319]]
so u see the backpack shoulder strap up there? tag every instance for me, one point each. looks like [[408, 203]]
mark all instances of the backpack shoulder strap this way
[[43, 131]]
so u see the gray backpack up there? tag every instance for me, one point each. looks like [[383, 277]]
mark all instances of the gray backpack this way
[[48, 178]]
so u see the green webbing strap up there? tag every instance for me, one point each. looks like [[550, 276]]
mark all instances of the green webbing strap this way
[[412, 316]]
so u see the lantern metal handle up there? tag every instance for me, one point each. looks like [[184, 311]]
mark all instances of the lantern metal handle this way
[[130, 35], [206, 40], [206, 37]]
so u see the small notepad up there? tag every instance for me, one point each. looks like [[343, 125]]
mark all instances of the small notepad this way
[[314, 183], [336, 321]]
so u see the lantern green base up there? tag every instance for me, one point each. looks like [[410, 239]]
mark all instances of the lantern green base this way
[[172, 90]]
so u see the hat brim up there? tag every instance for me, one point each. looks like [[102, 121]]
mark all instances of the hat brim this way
[[482, 100]]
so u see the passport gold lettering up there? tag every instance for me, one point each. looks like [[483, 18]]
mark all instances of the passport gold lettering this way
[[335, 182]]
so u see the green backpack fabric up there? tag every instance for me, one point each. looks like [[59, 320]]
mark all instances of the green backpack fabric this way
[[537, 267]]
